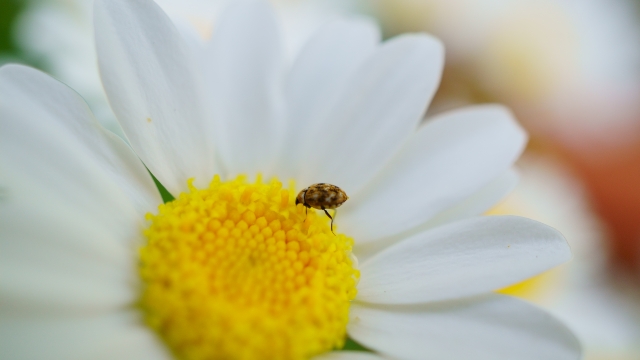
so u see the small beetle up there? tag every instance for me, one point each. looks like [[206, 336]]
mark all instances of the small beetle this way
[[322, 196]]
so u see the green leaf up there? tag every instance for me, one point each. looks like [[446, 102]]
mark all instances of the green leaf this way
[[166, 195], [350, 344]]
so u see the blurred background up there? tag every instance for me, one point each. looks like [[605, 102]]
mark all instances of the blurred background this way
[[569, 70]]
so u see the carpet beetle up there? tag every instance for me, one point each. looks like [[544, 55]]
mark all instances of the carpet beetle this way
[[322, 196]]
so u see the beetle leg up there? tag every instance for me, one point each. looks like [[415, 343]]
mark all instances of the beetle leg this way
[[326, 212]]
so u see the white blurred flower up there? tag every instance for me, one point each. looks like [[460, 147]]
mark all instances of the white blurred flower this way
[[347, 112], [581, 293], [570, 68]]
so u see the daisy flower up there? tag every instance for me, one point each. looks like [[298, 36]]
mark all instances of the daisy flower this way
[[94, 265]]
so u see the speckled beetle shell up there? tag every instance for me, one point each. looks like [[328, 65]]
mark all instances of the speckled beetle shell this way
[[322, 196]]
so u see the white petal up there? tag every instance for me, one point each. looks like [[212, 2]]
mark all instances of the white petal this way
[[489, 328], [348, 355], [34, 102], [475, 205], [54, 268], [480, 202], [73, 200], [448, 160], [380, 109], [151, 80], [318, 80], [120, 335], [193, 39], [136, 341], [461, 259], [245, 80]]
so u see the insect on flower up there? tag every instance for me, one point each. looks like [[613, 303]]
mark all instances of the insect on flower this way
[[322, 196]]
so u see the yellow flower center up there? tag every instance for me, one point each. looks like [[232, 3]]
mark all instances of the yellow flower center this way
[[238, 271]]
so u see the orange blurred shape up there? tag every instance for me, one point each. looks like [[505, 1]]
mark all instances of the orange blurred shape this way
[[611, 175]]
